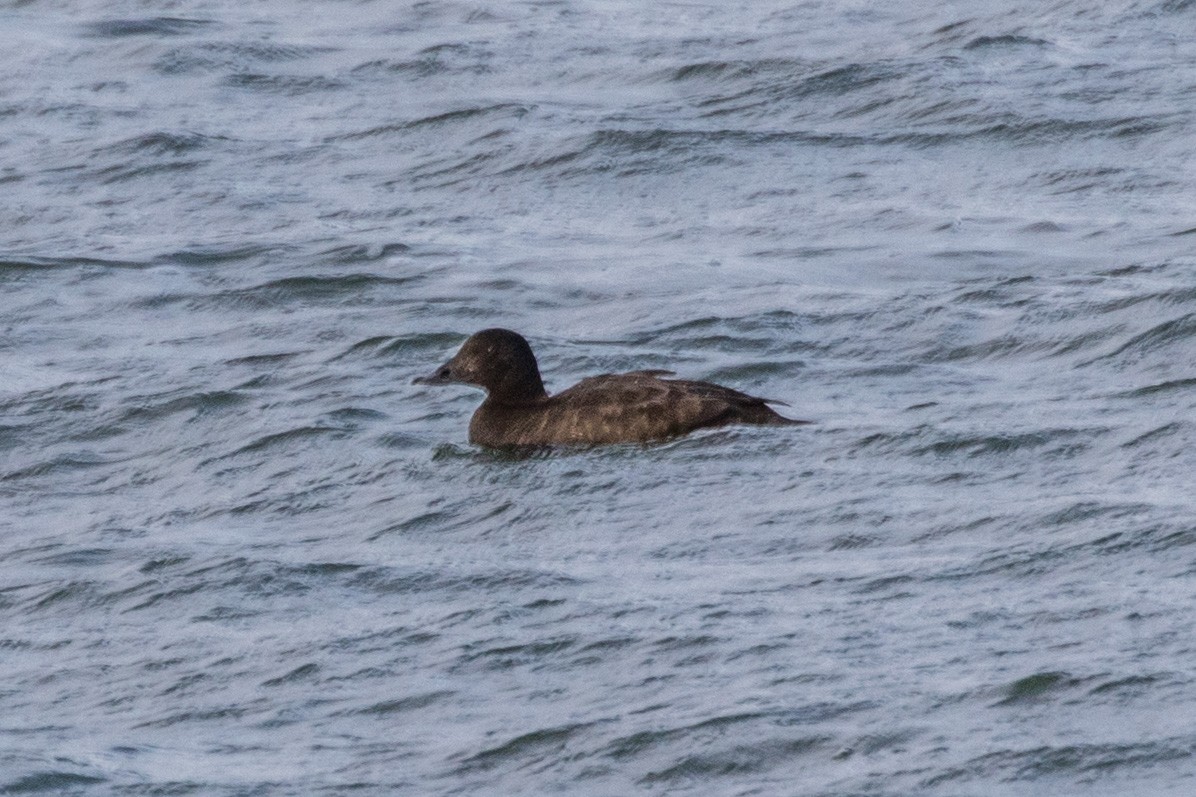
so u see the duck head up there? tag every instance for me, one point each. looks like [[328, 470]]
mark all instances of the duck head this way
[[497, 360]]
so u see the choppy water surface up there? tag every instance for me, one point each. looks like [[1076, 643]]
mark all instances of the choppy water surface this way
[[241, 554]]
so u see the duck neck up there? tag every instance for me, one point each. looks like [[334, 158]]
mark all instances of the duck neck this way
[[516, 390]]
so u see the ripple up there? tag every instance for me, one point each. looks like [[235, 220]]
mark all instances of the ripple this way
[[1037, 687], [437, 121], [330, 289], [12, 436], [535, 655], [1152, 435], [123, 173], [1006, 41], [56, 781], [386, 346], [277, 439], [405, 705], [441, 60], [149, 26], [220, 255], [1063, 441], [303, 672], [234, 56], [57, 466], [291, 85], [1055, 760], [1168, 333], [364, 253], [39, 264], [526, 749], [734, 760], [388, 581]]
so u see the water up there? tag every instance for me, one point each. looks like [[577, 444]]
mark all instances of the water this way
[[241, 554]]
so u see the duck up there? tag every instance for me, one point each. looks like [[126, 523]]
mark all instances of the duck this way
[[633, 407]]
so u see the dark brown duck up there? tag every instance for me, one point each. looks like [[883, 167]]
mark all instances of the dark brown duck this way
[[611, 408]]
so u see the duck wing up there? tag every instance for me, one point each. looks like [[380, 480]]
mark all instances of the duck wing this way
[[641, 406]]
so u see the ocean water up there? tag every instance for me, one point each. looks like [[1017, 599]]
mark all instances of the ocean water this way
[[241, 554]]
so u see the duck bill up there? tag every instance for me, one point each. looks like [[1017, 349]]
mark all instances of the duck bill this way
[[441, 376]]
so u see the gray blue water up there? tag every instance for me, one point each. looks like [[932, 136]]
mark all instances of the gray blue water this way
[[241, 554]]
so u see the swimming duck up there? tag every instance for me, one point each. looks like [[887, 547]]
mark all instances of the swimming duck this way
[[634, 407]]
